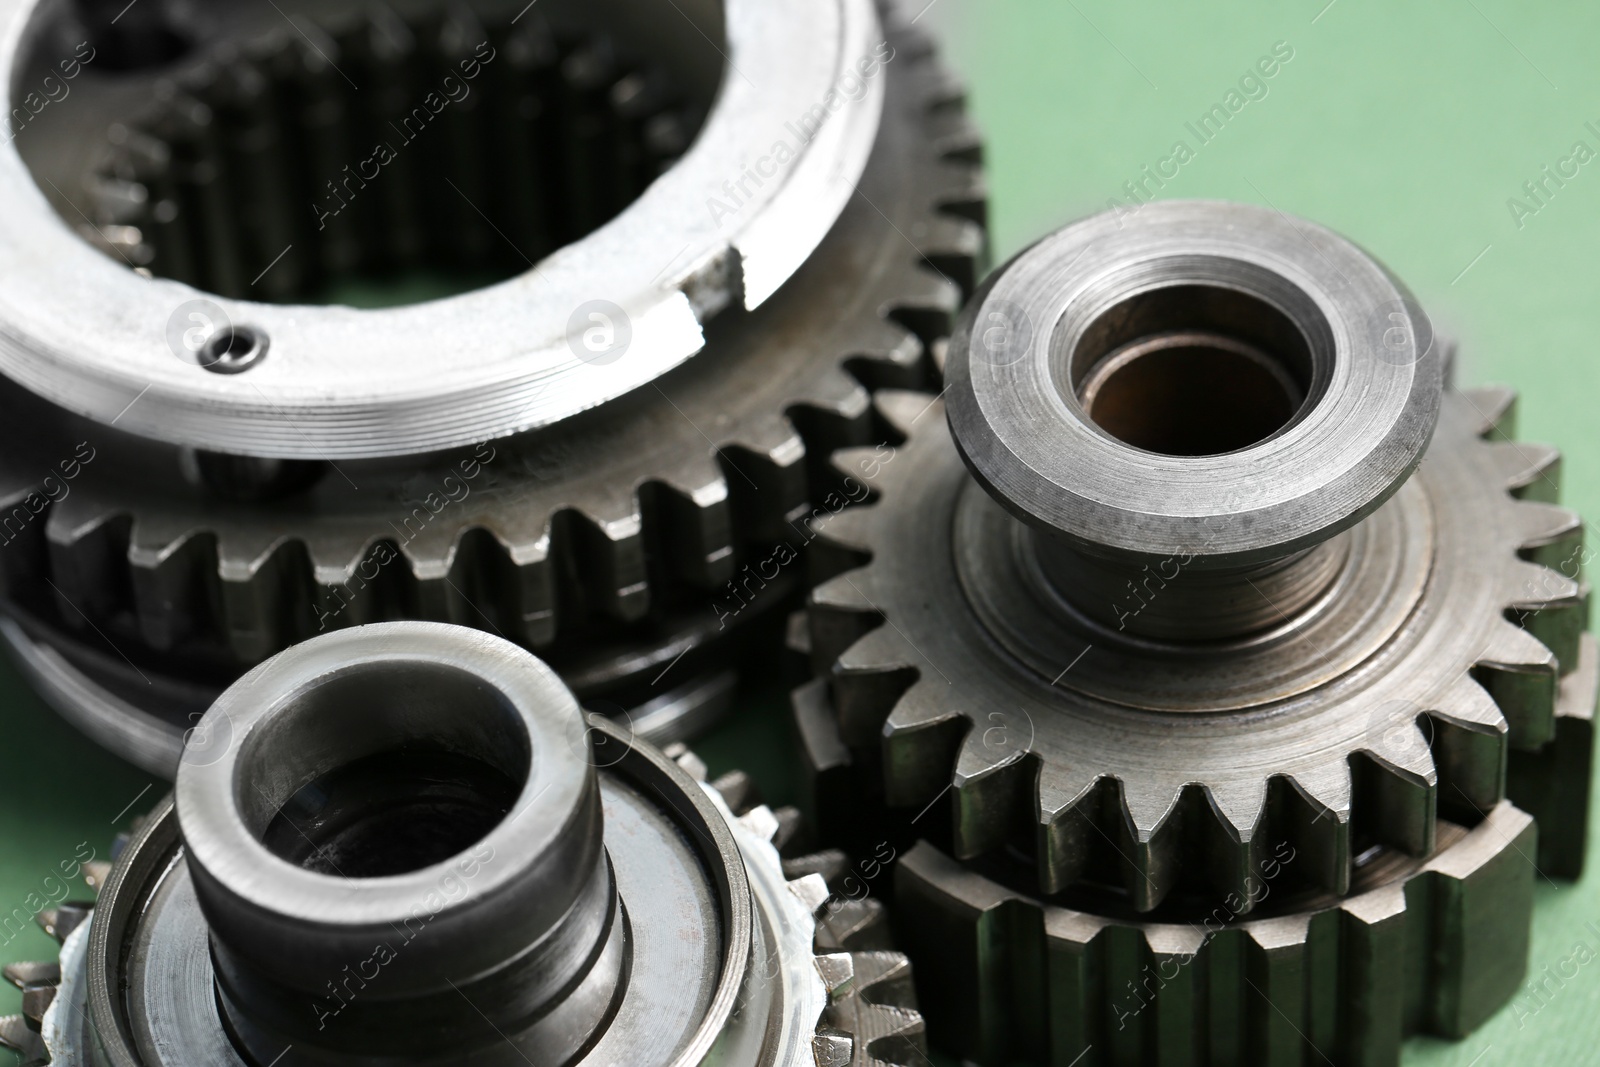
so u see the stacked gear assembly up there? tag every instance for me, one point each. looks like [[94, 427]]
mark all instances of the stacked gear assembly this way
[[757, 260], [1199, 563], [406, 842]]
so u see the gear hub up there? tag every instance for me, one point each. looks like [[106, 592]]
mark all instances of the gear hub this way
[[406, 843]]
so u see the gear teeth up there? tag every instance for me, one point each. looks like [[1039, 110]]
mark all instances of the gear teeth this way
[[1493, 410], [1469, 748], [868, 678], [853, 925], [1550, 536], [995, 786], [1071, 813], [925, 302], [174, 583], [904, 410], [1397, 787], [16, 1035], [832, 864], [688, 509], [1529, 471], [766, 473], [267, 596], [1553, 783], [738, 791], [1522, 674], [1550, 606], [33, 973], [882, 1014], [25, 556], [61, 920], [954, 247], [1421, 948], [921, 737], [87, 547], [1317, 805], [841, 610]]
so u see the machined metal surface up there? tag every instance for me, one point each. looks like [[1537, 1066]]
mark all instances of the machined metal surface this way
[[617, 912], [339, 383], [614, 542], [1136, 652]]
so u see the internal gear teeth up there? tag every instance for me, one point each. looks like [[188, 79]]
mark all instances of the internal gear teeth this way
[[1529, 471], [1493, 410], [1469, 748], [994, 786], [921, 738], [1522, 675]]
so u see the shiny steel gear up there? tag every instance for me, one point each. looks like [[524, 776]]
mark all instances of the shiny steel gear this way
[[1208, 563], [620, 538], [553, 893]]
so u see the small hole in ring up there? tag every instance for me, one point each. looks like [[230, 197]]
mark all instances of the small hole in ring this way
[[233, 350]]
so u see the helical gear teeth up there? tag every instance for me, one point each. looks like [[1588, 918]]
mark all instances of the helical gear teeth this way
[[1002, 976]]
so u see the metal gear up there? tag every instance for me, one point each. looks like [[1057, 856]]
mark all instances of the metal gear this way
[[614, 910], [1148, 665], [618, 542]]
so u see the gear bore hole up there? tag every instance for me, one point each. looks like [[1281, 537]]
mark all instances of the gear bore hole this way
[[1192, 370], [384, 770]]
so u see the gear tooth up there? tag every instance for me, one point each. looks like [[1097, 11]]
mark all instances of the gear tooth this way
[[890, 357], [904, 410], [995, 787], [268, 600], [1275, 1000], [1550, 606], [1152, 824], [1552, 784], [519, 564], [687, 514], [832, 864], [1312, 811], [1549, 535], [954, 247], [1483, 901], [832, 411], [1073, 803], [1491, 410], [1528, 470], [921, 737], [884, 978], [33, 972], [766, 473], [1522, 675], [925, 303], [853, 925], [970, 941], [174, 583], [19, 1037], [848, 531], [839, 614], [738, 791], [25, 555], [1469, 747], [88, 549], [605, 548], [1396, 784]]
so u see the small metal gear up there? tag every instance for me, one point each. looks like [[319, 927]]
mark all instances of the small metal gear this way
[[618, 542], [1147, 664], [724, 950]]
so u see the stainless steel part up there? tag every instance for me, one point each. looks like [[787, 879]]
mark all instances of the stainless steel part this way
[[340, 383], [680, 939], [612, 542], [1003, 660]]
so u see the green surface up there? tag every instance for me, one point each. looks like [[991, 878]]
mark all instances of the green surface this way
[[1407, 127]]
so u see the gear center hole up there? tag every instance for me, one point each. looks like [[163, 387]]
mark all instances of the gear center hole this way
[[1192, 370]]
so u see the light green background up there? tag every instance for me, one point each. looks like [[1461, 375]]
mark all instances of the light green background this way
[[1406, 126]]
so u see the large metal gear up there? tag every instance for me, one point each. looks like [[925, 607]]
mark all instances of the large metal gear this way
[[620, 541], [1145, 640], [556, 893]]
